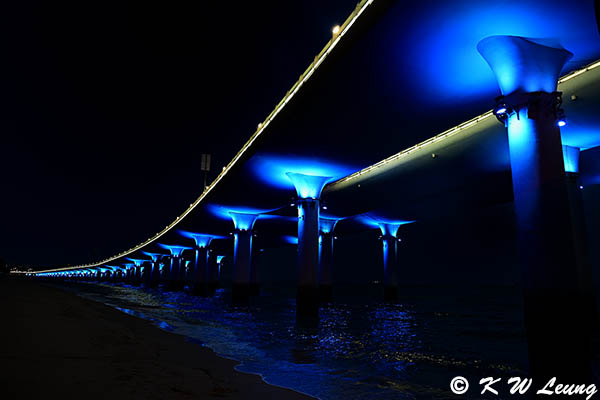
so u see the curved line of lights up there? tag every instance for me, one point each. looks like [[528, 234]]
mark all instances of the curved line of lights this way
[[358, 11], [448, 133]]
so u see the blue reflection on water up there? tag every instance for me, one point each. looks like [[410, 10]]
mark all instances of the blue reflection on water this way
[[361, 349]]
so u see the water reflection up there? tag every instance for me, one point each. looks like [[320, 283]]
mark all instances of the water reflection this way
[[360, 349]]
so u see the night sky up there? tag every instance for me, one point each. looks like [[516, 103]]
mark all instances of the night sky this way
[[107, 106]]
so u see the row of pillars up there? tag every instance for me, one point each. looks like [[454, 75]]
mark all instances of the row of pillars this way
[[173, 271]]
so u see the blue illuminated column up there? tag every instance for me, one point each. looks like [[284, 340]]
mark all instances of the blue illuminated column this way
[[389, 240], [254, 271], [213, 271], [130, 273], [308, 188], [558, 309], [242, 253], [136, 276], [188, 271], [155, 276], [117, 273], [326, 226], [175, 280], [146, 272], [200, 271], [219, 265], [571, 159], [121, 274]]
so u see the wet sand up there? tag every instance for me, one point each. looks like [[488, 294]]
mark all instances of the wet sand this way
[[56, 345]]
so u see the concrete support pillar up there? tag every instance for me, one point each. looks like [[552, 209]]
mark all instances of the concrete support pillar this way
[[146, 272], [389, 241], [390, 259], [137, 274], [187, 272], [308, 188], [174, 281], [242, 257], [126, 275], [164, 267], [242, 254], [118, 275], [203, 284], [326, 239], [558, 313], [175, 274], [153, 277], [213, 272], [255, 271], [307, 298], [201, 271], [573, 178]]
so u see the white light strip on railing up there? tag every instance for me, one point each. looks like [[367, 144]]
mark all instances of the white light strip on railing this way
[[358, 11], [446, 134]]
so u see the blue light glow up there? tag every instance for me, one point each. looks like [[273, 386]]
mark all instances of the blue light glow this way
[[290, 239], [273, 169], [308, 186], [571, 158], [389, 229], [441, 45], [521, 137], [201, 239], [327, 225], [561, 123], [583, 134], [377, 222], [219, 259], [174, 249], [242, 221], [136, 261], [223, 212], [521, 65], [154, 256]]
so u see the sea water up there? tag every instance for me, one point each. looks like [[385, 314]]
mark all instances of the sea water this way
[[361, 348]]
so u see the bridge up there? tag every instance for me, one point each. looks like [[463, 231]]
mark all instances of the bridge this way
[[409, 115]]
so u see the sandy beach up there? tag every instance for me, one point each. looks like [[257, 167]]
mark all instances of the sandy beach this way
[[55, 344]]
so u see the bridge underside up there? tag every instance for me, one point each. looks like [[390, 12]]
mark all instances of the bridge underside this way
[[400, 75]]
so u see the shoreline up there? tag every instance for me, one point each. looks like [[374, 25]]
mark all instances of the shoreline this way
[[57, 343]]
